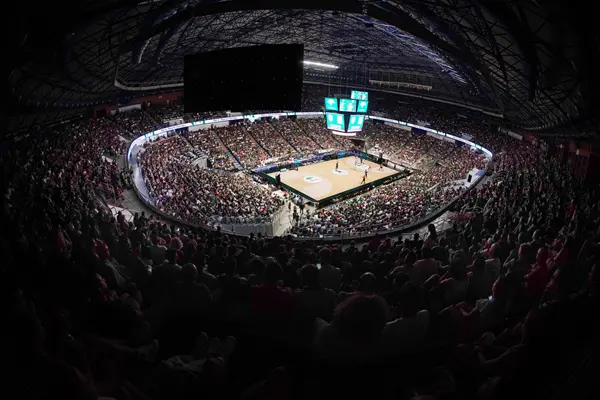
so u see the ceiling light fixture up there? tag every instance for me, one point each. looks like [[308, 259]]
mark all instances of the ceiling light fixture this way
[[318, 64]]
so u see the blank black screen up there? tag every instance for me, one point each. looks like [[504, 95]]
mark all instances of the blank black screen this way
[[265, 77]]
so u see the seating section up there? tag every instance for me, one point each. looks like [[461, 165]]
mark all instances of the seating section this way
[[98, 304], [135, 122], [199, 195], [207, 141], [242, 144], [320, 134], [271, 140], [162, 114], [399, 204], [296, 136]]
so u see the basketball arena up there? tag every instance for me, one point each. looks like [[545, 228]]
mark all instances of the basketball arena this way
[[300, 199]]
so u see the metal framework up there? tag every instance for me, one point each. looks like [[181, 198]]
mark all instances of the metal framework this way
[[515, 58]]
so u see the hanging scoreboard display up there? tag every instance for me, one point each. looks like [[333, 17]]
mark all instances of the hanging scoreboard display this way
[[331, 104], [336, 122], [347, 105], [356, 95], [355, 124], [362, 107], [350, 114]]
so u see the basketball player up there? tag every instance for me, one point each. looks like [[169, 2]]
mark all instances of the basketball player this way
[[336, 165], [364, 179], [367, 172], [381, 166]]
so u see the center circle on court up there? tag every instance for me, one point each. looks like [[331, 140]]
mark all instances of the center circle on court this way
[[362, 166], [312, 179], [340, 172]]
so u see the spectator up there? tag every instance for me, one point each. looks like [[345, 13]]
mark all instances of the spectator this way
[[483, 275], [269, 299], [355, 333], [407, 332], [190, 299], [313, 301], [457, 284], [329, 276]]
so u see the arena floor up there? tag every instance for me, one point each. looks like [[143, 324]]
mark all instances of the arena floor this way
[[321, 180]]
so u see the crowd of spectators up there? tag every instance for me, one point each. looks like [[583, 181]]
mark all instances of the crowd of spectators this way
[[170, 173], [460, 162], [402, 202], [404, 146], [168, 112], [498, 307], [321, 135], [108, 136], [437, 150], [199, 195], [398, 204], [165, 113], [295, 135], [271, 140], [243, 146], [135, 122], [208, 141], [201, 116]]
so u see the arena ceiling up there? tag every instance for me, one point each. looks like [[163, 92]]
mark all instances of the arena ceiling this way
[[532, 63]]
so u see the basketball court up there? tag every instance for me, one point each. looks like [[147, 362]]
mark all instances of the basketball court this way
[[321, 180]]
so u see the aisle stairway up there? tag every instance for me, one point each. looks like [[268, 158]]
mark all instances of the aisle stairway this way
[[236, 160], [259, 143]]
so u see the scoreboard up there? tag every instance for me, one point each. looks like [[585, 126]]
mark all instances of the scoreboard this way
[[356, 95], [336, 122], [347, 116], [355, 123], [363, 105], [331, 104], [347, 105]]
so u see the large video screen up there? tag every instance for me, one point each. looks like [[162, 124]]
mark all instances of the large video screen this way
[[347, 105], [335, 121], [363, 105], [356, 95], [331, 104], [234, 79], [356, 123]]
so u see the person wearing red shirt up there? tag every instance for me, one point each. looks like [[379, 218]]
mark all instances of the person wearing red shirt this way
[[538, 278], [270, 299]]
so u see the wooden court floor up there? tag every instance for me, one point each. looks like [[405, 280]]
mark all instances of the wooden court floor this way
[[321, 180]]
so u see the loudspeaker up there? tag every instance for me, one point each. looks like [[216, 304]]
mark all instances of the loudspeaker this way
[[278, 179], [469, 177]]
